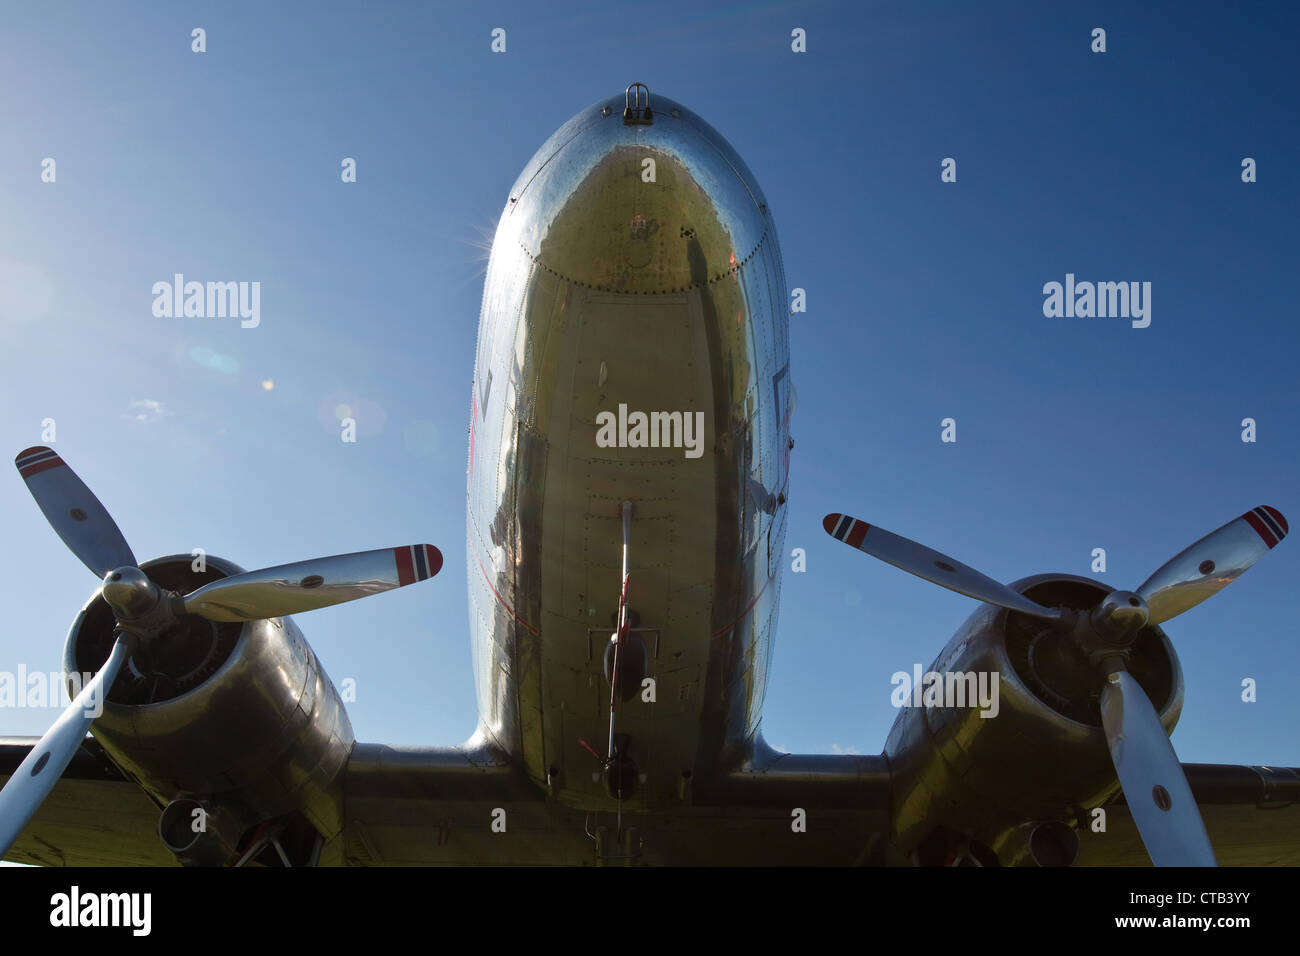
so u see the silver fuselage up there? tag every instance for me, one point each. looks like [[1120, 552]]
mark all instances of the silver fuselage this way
[[658, 287]]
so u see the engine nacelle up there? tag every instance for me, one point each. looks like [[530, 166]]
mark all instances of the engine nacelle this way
[[1043, 757], [239, 718]]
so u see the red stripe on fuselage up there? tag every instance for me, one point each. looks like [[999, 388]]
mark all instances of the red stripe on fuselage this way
[[503, 600], [749, 607]]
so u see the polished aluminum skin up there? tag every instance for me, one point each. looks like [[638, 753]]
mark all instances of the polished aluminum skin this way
[[632, 348], [1044, 756], [1159, 796], [261, 733], [635, 269], [1089, 630], [308, 585], [1211, 564]]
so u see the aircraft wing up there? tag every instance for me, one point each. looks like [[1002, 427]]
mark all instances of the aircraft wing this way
[[425, 805], [94, 816], [403, 806], [1252, 815], [464, 806]]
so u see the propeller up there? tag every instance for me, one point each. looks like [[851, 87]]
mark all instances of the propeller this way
[[1145, 762], [73, 511], [146, 613], [1153, 780], [1203, 569], [42, 767], [937, 568], [307, 585]]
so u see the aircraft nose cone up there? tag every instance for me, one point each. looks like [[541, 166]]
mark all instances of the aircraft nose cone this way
[[617, 202]]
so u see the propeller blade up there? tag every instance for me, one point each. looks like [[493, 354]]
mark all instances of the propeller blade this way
[[73, 511], [1153, 780], [41, 769], [1212, 563], [929, 564], [307, 585]]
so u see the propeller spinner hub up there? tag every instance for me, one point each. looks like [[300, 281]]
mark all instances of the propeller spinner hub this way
[[1120, 613], [129, 591]]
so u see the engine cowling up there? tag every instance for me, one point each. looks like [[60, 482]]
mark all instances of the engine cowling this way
[[239, 720], [1043, 758]]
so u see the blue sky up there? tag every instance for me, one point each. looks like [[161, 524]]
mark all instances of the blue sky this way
[[924, 301]]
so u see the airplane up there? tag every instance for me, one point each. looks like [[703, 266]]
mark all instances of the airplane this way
[[629, 453]]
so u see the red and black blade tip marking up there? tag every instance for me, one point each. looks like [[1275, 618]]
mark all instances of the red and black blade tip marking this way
[[846, 528], [1268, 524], [33, 461], [416, 562]]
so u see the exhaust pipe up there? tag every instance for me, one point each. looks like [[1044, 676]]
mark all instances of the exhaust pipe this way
[[1046, 843], [198, 834]]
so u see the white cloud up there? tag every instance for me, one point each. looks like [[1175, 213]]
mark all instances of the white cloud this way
[[837, 749], [147, 410]]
